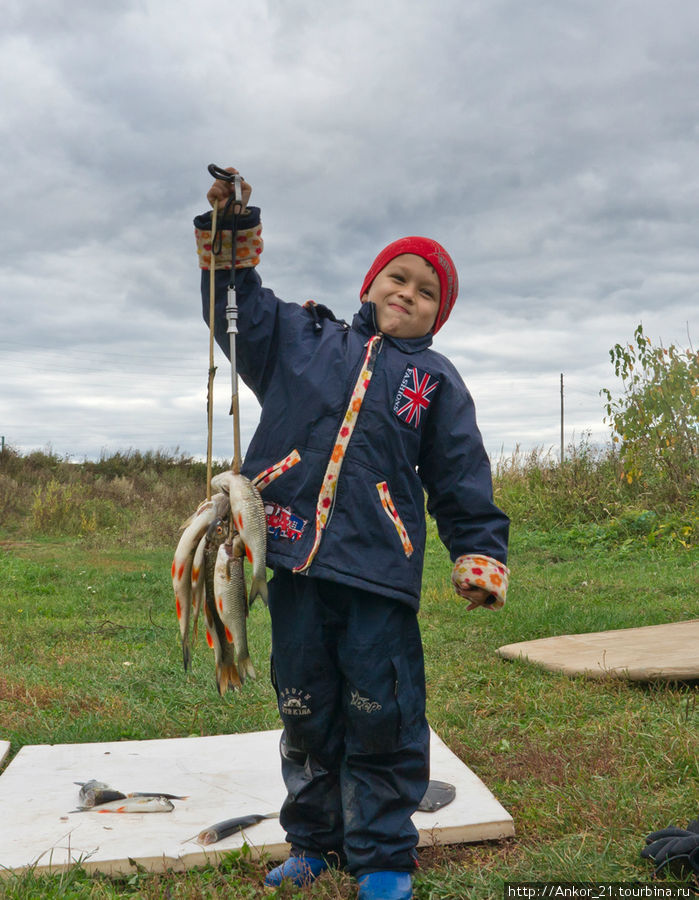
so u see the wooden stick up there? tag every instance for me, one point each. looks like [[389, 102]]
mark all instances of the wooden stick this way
[[212, 368]]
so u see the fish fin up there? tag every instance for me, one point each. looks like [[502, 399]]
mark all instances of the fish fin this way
[[258, 588], [246, 668], [248, 553], [227, 678]]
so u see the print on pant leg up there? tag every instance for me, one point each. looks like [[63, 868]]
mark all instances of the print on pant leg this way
[[294, 702], [389, 711], [373, 714], [307, 699]]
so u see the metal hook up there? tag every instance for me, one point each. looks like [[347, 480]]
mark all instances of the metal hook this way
[[231, 178]]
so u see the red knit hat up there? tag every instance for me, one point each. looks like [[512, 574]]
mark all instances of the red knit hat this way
[[436, 256]]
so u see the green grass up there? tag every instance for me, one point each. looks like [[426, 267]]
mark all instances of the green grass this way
[[90, 652]]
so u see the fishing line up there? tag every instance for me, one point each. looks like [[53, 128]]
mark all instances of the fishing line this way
[[232, 209], [212, 368]]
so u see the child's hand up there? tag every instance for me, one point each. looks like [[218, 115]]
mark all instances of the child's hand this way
[[481, 580], [477, 597], [222, 190]]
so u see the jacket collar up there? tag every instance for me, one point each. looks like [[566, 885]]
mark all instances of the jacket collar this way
[[364, 321]]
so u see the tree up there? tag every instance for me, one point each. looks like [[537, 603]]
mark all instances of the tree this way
[[655, 421]]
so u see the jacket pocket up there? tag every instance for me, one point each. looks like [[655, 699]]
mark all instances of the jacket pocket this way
[[392, 513], [267, 476]]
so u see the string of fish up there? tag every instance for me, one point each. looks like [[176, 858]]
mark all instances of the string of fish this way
[[207, 569]]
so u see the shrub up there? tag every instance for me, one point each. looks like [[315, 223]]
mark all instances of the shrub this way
[[655, 420]]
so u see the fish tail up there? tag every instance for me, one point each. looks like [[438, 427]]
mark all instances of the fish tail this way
[[258, 588], [227, 677], [185, 655], [246, 668]]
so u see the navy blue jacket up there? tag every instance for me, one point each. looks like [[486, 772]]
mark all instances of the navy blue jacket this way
[[302, 368]]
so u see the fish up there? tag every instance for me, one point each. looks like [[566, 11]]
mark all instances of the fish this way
[[227, 676], [437, 795], [249, 518], [157, 794], [232, 602], [224, 829], [94, 793], [193, 530], [198, 585], [132, 805]]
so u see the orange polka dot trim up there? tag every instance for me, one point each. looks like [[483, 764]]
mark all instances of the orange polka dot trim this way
[[327, 490], [484, 572], [269, 475], [392, 513], [248, 248]]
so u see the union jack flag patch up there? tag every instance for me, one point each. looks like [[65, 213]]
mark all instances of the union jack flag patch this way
[[414, 395]]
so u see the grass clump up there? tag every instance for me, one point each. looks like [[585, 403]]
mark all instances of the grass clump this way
[[588, 500]]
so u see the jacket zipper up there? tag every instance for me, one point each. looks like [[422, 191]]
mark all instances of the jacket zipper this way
[[328, 491]]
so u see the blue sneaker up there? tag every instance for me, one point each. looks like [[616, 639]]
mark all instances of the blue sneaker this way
[[300, 870], [386, 886]]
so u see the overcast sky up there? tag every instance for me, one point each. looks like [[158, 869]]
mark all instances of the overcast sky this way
[[552, 146]]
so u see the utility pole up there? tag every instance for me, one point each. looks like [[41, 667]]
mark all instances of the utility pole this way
[[562, 431]]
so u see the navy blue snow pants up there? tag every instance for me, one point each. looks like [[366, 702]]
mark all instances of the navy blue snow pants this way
[[347, 666]]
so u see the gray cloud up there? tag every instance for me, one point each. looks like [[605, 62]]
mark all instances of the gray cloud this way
[[550, 147]]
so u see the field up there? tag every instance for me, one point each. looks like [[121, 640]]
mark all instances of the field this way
[[90, 652]]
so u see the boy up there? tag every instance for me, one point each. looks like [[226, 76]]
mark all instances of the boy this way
[[357, 422]]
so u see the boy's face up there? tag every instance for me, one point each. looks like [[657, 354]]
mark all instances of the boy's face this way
[[406, 296]]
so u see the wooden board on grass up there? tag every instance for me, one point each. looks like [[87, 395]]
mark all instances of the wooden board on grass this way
[[649, 653], [222, 776]]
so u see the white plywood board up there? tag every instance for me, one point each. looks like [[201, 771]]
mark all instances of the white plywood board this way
[[648, 653], [222, 775]]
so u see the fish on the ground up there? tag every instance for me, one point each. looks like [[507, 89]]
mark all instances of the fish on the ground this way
[[232, 603], [132, 805], [249, 518], [224, 829], [158, 794], [93, 793], [437, 795], [193, 530], [227, 677]]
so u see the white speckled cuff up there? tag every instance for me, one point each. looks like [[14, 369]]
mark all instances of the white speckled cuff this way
[[473, 570]]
